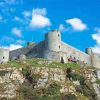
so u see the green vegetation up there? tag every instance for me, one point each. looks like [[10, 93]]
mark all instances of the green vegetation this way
[[31, 77], [3, 98], [2, 89], [87, 90], [69, 97], [2, 73], [14, 63], [98, 81], [51, 90], [27, 63], [40, 62], [47, 93], [78, 77]]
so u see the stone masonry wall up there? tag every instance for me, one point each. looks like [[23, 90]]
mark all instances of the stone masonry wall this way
[[73, 52], [29, 51]]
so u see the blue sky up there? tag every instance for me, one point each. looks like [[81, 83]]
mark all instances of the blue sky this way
[[28, 20]]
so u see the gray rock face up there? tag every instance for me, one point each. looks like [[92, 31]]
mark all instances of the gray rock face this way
[[10, 81], [49, 74], [97, 90], [22, 57], [13, 78]]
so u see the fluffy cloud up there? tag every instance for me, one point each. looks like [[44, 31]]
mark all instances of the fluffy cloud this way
[[96, 49], [39, 19], [17, 31], [96, 37], [77, 24]]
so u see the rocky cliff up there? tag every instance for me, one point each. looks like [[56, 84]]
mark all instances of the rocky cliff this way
[[38, 79]]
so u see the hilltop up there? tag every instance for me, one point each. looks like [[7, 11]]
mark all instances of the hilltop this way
[[40, 79]]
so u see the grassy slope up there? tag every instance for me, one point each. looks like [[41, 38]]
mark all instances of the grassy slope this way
[[37, 62]]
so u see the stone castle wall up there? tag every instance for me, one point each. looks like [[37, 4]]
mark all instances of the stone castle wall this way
[[75, 53], [96, 60], [52, 48], [29, 51]]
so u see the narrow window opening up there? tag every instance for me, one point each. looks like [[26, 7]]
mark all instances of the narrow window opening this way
[[3, 57], [62, 60], [58, 35], [59, 46]]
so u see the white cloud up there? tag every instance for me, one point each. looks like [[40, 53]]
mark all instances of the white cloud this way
[[20, 41], [13, 2], [1, 18], [39, 19], [17, 31], [7, 7], [12, 47], [40, 11], [18, 19], [63, 28], [96, 37], [77, 24], [96, 49], [26, 14]]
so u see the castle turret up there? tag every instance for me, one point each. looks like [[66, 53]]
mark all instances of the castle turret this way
[[4, 55], [89, 51], [53, 41]]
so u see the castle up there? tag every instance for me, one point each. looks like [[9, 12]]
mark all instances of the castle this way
[[53, 49]]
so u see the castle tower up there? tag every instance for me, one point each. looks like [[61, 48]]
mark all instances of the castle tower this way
[[4, 55], [52, 50], [89, 52], [53, 41]]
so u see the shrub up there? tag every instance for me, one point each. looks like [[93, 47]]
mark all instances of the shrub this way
[[3, 98], [2, 73], [98, 81], [52, 92], [69, 97], [87, 90], [78, 77]]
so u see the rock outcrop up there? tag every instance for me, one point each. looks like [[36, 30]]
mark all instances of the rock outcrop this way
[[36, 82]]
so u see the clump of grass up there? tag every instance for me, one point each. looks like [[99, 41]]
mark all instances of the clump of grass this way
[[73, 65], [98, 82], [15, 63]]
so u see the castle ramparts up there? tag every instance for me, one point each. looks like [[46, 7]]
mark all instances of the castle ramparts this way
[[52, 48]]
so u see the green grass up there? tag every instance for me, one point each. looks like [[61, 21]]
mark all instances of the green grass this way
[[98, 81], [51, 92], [14, 63], [34, 62]]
